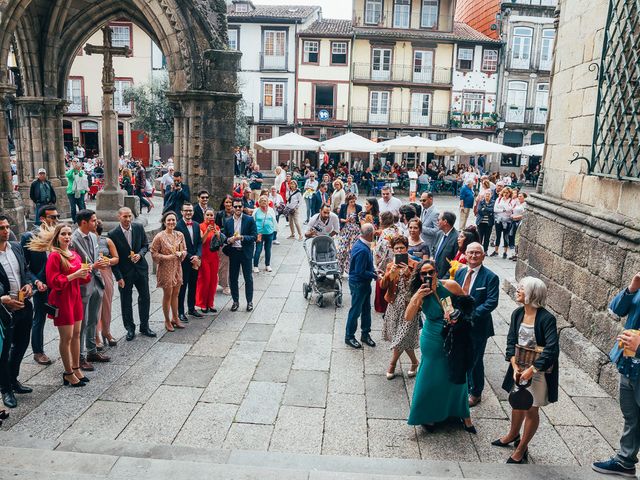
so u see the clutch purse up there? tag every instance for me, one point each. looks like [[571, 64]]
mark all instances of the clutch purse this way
[[51, 310]]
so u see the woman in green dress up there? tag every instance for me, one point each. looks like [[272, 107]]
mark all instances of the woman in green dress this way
[[435, 398]]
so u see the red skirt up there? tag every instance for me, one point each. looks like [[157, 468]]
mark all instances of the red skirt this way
[[380, 304]]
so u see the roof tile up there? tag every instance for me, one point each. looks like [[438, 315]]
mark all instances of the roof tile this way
[[282, 12], [329, 27]]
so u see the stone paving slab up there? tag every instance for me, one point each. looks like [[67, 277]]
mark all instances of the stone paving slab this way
[[299, 430], [306, 388], [103, 420], [345, 425], [261, 403], [193, 371], [248, 436], [392, 439], [274, 367], [207, 426]]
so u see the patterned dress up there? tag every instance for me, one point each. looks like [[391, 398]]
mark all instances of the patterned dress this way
[[163, 249], [403, 335], [348, 236]]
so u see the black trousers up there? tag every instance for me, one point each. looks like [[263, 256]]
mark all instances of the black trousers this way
[[484, 230], [141, 282], [238, 260], [16, 342], [189, 281]]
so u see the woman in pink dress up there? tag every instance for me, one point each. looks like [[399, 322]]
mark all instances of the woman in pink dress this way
[[65, 272], [208, 274], [168, 249]]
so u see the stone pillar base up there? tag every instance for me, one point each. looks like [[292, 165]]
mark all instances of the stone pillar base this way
[[11, 206]]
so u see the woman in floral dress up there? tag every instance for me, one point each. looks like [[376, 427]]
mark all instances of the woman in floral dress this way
[[349, 230], [168, 249], [382, 255]]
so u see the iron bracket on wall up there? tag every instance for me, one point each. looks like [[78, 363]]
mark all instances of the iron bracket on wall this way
[[577, 156]]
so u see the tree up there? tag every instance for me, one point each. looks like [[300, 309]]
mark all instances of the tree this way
[[242, 125], [152, 112]]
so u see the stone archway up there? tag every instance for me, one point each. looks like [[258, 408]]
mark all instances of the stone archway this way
[[45, 36]]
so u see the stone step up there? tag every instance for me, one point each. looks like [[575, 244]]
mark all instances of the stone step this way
[[86, 457]]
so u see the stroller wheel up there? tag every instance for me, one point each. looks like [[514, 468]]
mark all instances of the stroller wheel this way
[[338, 300], [320, 301], [305, 290]]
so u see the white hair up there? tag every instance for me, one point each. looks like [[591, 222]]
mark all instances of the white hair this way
[[535, 291]]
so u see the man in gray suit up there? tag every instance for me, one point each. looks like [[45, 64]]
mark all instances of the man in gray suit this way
[[446, 243], [429, 219], [85, 244]]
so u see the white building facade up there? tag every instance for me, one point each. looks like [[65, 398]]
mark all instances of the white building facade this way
[[266, 36]]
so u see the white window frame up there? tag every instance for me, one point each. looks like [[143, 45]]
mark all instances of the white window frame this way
[[423, 73], [372, 12], [546, 48], [521, 48], [74, 95], [120, 107], [517, 114], [342, 49], [429, 18], [486, 61], [121, 36], [234, 36], [379, 102], [309, 47], [401, 13], [421, 116], [277, 110], [465, 57], [276, 58], [242, 7], [541, 108], [381, 73]]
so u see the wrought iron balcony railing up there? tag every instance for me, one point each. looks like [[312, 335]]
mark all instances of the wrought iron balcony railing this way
[[402, 73]]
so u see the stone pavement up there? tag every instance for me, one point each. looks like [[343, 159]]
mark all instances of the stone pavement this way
[[281, 379]]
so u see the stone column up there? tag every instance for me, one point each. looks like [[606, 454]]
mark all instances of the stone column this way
[[10, 201]]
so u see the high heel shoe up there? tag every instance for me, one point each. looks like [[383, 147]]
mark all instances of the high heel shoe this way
[[83, 379], [391, 373], [468, 428], [111, 341], [413, 371], [4, 415], [429, 427], [66, 382], [524, 459], [499, 443], [177, 324], [168, 326]]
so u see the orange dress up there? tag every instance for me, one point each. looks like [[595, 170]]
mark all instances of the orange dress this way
[[163, 249]]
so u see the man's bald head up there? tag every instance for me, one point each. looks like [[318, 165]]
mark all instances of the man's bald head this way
[[474, 254]]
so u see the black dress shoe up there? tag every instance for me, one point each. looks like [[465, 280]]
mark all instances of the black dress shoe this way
[[234, 307], [352, 342], [249, 306], [195, 313], [9, 399], [368, 340], [204, 310], [524, 459], [183, 318], [130, 335], [20, 389], [147, 332], [213, 310], [498, 442]]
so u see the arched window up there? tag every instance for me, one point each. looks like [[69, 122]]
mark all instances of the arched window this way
[[521, 48], [516, 101]]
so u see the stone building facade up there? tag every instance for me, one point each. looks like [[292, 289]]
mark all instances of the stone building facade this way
[[582, 230], [45, 36]]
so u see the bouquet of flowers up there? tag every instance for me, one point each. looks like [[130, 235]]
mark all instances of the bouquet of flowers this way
[[454, 265]]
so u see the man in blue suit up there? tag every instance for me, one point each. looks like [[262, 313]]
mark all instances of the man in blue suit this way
[[241, 234], [191, 263], [484, 286], [319, 199]]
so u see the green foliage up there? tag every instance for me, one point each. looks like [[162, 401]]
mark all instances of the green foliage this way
[[242, 125], [152, 112]]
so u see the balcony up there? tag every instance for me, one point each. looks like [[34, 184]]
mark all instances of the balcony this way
[[312, 113], [273, 63], [473, 121], [364, 72], [78, 106], [526, 116], [403, 19], [273, 113], [410, 117]]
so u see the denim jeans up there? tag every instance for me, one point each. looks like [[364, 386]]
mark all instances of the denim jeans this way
[[267, 240], [307, 202], [630, 406], [75, 203], [360, 308]]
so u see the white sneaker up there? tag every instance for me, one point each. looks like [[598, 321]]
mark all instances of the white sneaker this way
[[276, 242], [269, 269], [255, 270]]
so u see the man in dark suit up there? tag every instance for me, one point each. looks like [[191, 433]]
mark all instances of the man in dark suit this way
[[41, 193], [132, 270], [446, 245], [191, 263], [176, 195], [319, 198], [200, 208], [241, 234], [15, 281], [37, 264], [484, 286]]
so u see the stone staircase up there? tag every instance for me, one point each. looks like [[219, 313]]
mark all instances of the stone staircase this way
[[86, 458]]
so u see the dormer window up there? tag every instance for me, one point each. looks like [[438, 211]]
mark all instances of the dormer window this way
[[242, 7]]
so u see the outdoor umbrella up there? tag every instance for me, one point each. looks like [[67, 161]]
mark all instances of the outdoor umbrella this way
[[477, 146], [453, 146], [409, 144], [289, 141], [532, 150], [350, 142]]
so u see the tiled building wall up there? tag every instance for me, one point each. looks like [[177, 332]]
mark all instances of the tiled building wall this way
[[479, 14]]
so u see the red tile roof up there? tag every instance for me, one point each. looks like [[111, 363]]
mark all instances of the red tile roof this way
[[271, 12], [461, 32], [329, 27]]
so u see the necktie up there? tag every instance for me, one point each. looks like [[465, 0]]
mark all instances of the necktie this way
[[467, 282], [127, 235], [89, 243], [440, 245]]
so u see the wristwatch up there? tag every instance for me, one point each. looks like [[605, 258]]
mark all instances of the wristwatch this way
[[535, 370]]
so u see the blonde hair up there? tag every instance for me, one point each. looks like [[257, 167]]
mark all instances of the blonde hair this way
[[46, 240], [126, 173], [337, 182]]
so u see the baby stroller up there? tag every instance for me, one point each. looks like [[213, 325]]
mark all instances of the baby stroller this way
[[324, 275]]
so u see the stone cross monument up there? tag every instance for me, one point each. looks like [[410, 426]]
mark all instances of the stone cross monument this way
[[112, 197]]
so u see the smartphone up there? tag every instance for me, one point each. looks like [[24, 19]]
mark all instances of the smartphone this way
[[402, 258]]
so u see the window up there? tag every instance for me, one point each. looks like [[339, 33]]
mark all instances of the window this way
[[233, 33], [401, 9], [429, 16], [516, 101], [465, 58], [121, 36], [379, 107], [423, 66], [521, 48], [420, 108], [74, 95], [242, 7], [381, 65], [311, 48], [490, 60], [273, 100], [120, 106], [274, 57], [339, 53], [472, 103], [546, 55], [542, 101], [372, 12]]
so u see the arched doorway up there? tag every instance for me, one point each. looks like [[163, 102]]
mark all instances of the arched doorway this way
[[45, 36]]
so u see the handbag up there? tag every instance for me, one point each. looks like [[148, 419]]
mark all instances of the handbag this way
[[217, 242], [51, 310], [520, 398]]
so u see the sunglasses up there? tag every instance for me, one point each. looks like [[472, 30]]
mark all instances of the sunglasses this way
[[237, 206], [423, 200], [53, 217], [4, 227], [428, 274], [204, 198]]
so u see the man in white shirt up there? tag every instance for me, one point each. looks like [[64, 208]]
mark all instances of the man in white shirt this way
[[324, 223], [167, 180], [389, 203]]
